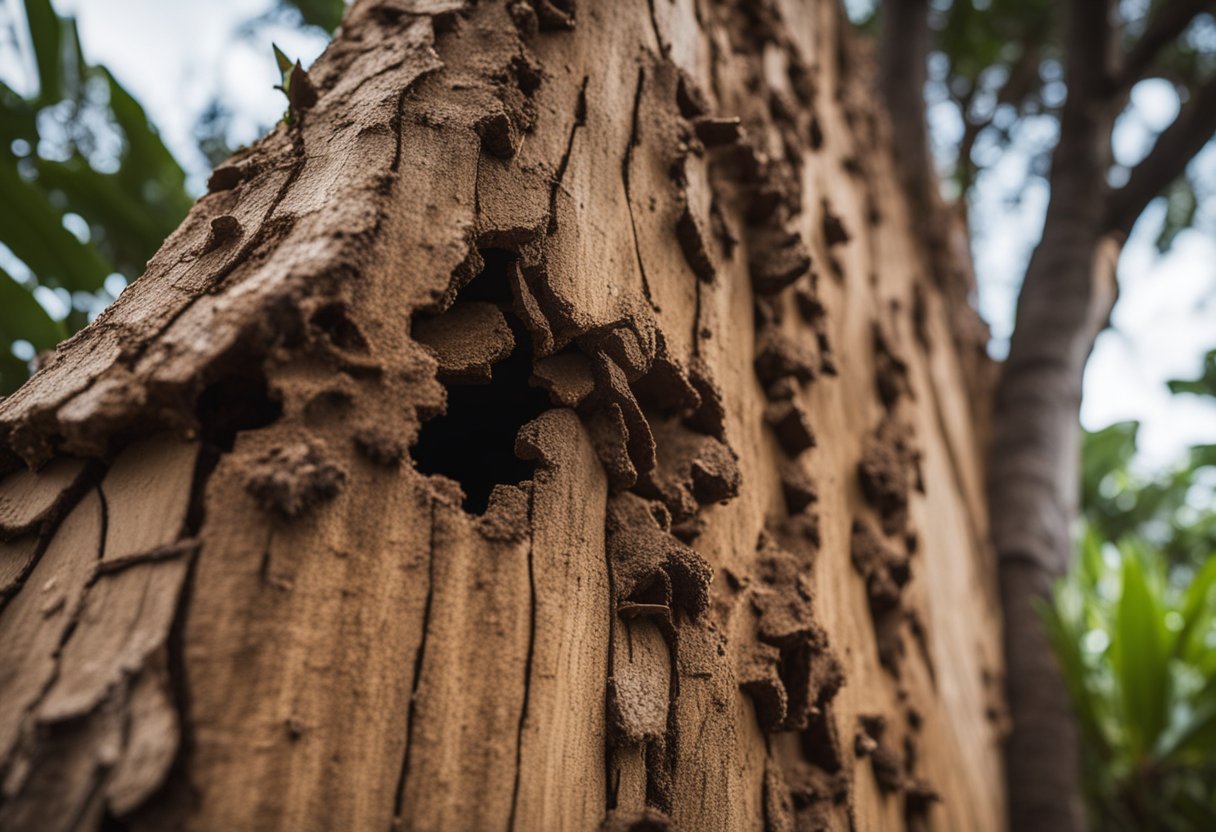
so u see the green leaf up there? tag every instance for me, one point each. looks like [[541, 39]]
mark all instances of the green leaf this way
[[145, 158], [324, 13], [23, 318], [301, 95], [46, 35], [1066, 640], [13, 372], [33, 228], [286, 70], [1195, 736], [18, 118], [285, 63], [1205, 385], [1203, 455], [129, 229], [1180, 207], [1104, 452], [1195, 607], [1140, 660]]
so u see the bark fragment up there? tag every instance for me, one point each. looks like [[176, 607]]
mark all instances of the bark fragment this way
[[292, 479]]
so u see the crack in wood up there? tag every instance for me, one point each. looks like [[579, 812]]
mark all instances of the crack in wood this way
[[625, 163], [419, 656], [580, 120]]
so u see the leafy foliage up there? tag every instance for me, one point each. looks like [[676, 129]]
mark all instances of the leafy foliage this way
[[80, 152], [1170, 511], [90, 190], [1138, 652], [996, 83], [1134, 628], [999, 65], [326, 14], [1181, 204]]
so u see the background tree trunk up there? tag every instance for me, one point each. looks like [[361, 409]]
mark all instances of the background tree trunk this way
[[552, 425], [1064, 302]]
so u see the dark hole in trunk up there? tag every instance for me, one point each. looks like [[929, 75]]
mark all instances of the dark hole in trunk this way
[[491, 284], [818, 744], [473, 442], [111, 823], [232, 404]]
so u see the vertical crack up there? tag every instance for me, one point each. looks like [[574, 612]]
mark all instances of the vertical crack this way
[[610, 793], [580, 119], [105, 521], [175, 654], [264, 564], [399, 799], [664, 48], [625, 163], [523, 711]]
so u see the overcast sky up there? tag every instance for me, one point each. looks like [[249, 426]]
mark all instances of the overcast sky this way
[[176, 56]]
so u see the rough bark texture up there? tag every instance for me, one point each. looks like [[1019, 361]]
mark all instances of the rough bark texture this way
[[553, 427]]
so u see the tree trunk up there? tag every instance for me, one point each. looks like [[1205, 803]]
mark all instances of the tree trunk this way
[[1064, 303], [550, 426]]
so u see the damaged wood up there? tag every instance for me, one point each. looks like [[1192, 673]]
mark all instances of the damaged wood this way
[[483, 452]]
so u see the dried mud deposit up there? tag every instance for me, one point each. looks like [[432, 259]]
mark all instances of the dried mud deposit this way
[[556, 426]]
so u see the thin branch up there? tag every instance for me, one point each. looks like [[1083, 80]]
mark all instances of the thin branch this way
[[1168, 23], [1175, 147]]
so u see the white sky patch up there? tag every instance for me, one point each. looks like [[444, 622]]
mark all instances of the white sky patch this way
[[176, 56], [1165, 320], [1161, 327]]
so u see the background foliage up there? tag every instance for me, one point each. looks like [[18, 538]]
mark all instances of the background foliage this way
[[89, 188], [1134, 627], [1138, 649]]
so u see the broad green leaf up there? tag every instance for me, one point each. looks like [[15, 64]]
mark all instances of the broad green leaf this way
[[1091, 564], [33, 228], [1196, 737], [46, 35], [131, 229], [23, 318], [145, 157], [1203, 455], [1066, 640], [13, 372], [1106, 452], [18, 119], [324, 13], [284, 63], [1140, 660], [1195, 604]]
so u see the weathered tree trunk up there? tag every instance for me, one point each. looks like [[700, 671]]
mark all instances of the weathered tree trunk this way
[[554, 425]]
